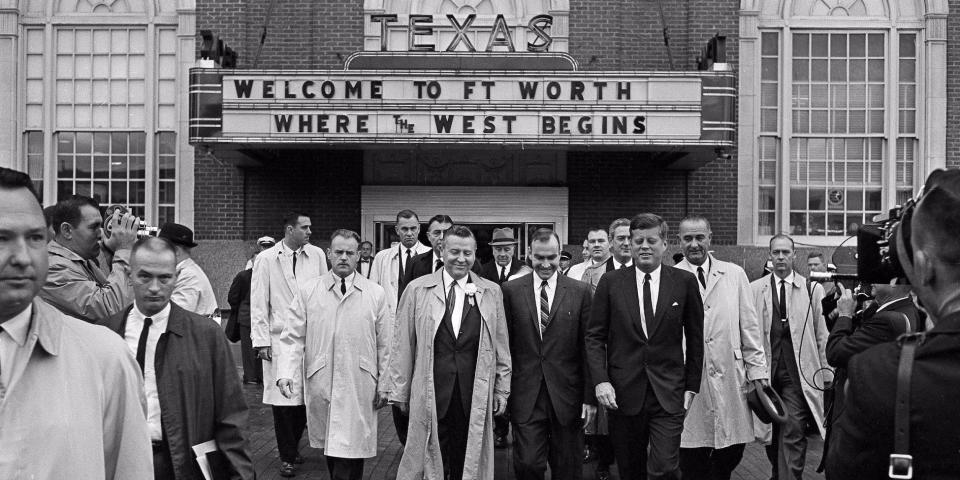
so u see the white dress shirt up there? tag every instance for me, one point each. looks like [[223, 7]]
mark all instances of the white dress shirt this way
[[433, 266], [403, 255], [787, 288], [551, 289], [654, 294], [132, 336], [13, 337], [348, 282], [505, 269], [456, 317], [617, 265]]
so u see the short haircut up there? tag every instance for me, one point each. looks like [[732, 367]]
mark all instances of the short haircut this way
[[68, 211], [597, 228], [461, 231], [815, 254], [13, 179], [620, 222], [366, 242], [644, 221], [697, 218], [291, 218], [48, 214], [543, 235], [407, 214], [780, 236], [153, 244], [344, 233], [440, 219]]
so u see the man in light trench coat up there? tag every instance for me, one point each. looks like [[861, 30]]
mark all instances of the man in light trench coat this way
[[342, 345], [278, 274], [450, 367], [719, 423], [795, 339]]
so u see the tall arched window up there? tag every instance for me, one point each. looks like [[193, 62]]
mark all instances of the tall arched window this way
[[104, 89], [833, 104]]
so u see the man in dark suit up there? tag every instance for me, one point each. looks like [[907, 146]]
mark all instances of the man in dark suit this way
[[365, 264], [239, 299], [547, 317], [639, 318], [432, 261], [927, 247], [190, 379], [504, 263]]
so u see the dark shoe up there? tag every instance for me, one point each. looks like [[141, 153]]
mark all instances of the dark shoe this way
[[298, 459], [589, 454], [603, 474], [500, 441], [287, 469]]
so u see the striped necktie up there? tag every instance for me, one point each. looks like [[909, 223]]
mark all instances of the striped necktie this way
[[544, 307]]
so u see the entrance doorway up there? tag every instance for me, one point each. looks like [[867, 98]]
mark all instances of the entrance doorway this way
[[524, 209], [386, 236]]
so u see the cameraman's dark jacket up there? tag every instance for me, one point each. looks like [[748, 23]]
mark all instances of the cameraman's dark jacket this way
[[863, 440], [847, 340]]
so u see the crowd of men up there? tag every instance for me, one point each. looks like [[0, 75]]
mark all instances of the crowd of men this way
[[665, 371]]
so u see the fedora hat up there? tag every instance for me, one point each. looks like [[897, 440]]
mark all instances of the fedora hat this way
[[767, 405], [503, 236], [177, 234]]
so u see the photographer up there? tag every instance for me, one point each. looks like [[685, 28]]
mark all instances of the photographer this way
[[78, 282], [892, 314], [926, 247]]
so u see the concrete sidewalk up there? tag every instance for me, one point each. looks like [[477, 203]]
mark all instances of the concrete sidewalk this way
[[263, 447]]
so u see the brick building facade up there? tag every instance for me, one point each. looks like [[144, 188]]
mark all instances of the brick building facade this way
[[816, 149]]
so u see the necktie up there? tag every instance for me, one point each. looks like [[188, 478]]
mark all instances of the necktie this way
[[647, 301], [703, 281], [783, 301], [452, 298], [343, 286], [142, 343], [438, 266], [503, 274], [294, 264], [406, 264], [544, 308]]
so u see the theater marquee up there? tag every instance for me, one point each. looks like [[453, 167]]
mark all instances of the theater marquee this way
[[462, 107]]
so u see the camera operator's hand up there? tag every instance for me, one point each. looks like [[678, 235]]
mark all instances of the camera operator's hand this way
[[846, 305], [123, 231]]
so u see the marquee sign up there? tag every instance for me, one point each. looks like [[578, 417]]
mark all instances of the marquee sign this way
[[462, 107]]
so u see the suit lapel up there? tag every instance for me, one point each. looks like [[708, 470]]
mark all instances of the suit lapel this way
[[557, 298], [629, 287], [663, 297], [532, 304]]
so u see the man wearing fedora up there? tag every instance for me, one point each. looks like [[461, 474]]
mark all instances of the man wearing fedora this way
[[502, 267], [504, 263], [193, 291]]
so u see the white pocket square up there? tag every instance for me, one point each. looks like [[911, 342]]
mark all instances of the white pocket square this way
[[675, 304]]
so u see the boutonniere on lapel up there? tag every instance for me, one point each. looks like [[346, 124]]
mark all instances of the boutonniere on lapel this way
[[470, 290]]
